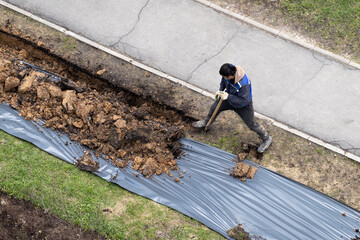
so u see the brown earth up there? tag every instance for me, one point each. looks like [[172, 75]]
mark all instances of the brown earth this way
[[112, 122], [243, 170], [20, 220], [238, 233]]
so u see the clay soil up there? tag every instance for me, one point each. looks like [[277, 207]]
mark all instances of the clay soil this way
[[124, 128]]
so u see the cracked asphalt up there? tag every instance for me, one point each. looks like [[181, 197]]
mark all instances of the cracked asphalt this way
[[291, 84]]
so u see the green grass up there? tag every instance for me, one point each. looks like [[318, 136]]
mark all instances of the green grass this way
[[337, 21], [78, 197], [69, 43], [319, 151]]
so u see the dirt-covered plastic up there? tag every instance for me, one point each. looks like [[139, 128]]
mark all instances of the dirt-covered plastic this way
[[270, 206]]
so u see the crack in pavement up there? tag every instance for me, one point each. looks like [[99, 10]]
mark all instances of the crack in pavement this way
[[133, 28], [344, 66], [338, 144], [350, 68], [126, 52], [314, 56], [207, 59]]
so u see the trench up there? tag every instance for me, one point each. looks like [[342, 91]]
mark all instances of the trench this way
[[124, 127]]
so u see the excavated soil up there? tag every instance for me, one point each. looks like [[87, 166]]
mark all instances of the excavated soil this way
[[20, 220], [124, 128], [243, 170]]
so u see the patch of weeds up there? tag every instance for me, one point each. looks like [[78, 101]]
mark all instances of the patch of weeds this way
[[223, 140], [13, 12], [213, 144], [30, 19], [131, 209], [69, 43], [178, 233], [150, 233], [291, 138], [319, 151], [229, 143]]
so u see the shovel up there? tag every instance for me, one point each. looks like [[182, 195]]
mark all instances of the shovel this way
[[213, 116]]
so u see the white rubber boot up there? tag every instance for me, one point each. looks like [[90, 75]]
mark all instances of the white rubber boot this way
[[199, 124], [265, 145]]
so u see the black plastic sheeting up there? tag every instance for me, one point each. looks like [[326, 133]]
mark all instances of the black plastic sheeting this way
[[271, 206]]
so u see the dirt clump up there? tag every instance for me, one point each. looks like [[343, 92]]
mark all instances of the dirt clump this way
[[243, 171], [238, 233], [11, 83], [87, 163], [122, 127]]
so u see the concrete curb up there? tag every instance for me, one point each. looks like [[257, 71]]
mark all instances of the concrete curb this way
[[195, 88]]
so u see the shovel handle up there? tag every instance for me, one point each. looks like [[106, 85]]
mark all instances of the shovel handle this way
[[214, 114]]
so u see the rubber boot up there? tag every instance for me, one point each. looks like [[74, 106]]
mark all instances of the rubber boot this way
[[265, 145], [199, 124]]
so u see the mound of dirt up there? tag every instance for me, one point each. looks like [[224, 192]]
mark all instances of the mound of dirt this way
[[243, 170], [124, 128], [20, 220], [238, 233], [87, 163]]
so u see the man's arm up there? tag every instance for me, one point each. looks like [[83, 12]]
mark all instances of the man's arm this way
[[241, 99], [222, 84]]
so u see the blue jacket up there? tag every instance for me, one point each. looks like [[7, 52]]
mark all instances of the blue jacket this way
[[240, 93]]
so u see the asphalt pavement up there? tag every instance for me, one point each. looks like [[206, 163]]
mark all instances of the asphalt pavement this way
[[300, 85]]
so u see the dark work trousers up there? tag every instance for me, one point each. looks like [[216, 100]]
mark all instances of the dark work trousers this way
[[246, 113]]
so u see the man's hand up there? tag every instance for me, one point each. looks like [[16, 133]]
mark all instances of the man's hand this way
[[217, 95], [224, 95]]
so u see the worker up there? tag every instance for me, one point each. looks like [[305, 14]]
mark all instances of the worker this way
[[235, 91]]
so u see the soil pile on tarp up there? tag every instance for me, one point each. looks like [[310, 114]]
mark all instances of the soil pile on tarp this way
[[238, 233], [113, 123], [243, 170]]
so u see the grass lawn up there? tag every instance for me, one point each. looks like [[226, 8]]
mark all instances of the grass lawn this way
[[337, 22], [333, 25]]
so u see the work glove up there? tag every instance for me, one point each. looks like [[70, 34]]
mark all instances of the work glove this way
[[224, 95], [217, 95]]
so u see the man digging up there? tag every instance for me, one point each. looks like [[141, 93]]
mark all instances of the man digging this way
[[235, 94]]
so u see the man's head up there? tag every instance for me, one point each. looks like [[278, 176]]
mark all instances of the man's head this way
[[228, 71]]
